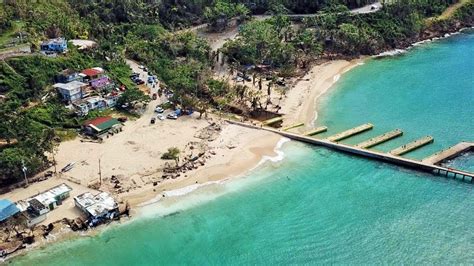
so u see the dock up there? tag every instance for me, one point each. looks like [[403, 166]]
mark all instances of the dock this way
[[370, 154], [380, 139], [316, 131], [412, 146], [272, 121], [450, 153], [351, 132], [293, 126]]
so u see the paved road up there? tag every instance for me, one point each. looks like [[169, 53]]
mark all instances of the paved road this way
[[374, 7]]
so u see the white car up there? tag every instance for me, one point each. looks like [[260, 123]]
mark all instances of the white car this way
[[172, 116], [141, 67], [161, 117], [159, 110]]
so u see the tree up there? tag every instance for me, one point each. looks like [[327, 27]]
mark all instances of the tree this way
[[172, 154], [130, 97]]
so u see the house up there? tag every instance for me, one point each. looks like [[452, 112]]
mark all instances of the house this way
[[7, 209], [72, 91], [96, 102], [35, 213], [102, 83], [67, 75], [92, 73], [101, 125], [58, 45], [97, 208], [54, 196]]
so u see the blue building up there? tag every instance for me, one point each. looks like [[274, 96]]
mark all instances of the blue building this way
[[58, 45], [7, 209]]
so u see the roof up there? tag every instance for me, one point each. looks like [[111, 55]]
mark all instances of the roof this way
[[7, 209], [98, 204], [92, 71], [54, 41], [67, 72], [73, 85], [102, 123], [50, 195]]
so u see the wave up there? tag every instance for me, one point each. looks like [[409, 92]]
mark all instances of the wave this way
[[280, 154], [391, 53], [336, 78]]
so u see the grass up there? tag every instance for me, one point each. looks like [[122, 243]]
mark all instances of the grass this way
[[10, 34]]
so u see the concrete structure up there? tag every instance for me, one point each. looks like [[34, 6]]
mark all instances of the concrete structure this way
[[380, 139], [450, 153], [293, 126], [97, 208], [412, 146], [36, 213], [92, 73], [385, 157], [54, 196], [101, 125], [58, 45], [316, 131], [68, 75], [72, 91], [351, 132]]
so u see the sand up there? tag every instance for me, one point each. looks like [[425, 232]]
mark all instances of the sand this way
[[134, 154]]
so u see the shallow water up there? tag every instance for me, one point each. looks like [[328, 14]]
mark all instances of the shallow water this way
[[319, 206]]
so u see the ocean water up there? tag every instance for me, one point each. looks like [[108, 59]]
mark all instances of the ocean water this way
[[318, 206]]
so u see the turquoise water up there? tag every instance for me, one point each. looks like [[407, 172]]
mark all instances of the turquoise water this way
[[318, 206], [428, 91]]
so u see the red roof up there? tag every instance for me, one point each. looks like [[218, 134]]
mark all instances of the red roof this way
[[97, 121], [91, 72]]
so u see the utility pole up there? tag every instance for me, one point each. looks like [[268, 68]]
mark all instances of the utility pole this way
[[100, 175], [24, 169]]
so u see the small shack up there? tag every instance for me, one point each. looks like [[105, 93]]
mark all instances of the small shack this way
[[7, 209], [101, 125], [98, 208]]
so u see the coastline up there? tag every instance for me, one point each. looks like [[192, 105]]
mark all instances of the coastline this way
[[245, 154], [237, 150]]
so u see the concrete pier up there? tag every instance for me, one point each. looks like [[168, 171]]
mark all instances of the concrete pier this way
[[351, 132], [380, 139], [450, 153], [370, 154], [412, 146], [316, 131], [272, 121], [293, 126]]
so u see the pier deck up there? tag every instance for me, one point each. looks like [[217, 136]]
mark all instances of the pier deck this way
[[293, 126], [380, 139], [450, 153], [412, 146], [351, 132], [316, 131], [385, 157]]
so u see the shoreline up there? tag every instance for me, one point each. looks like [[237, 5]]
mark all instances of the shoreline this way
[[244, 156], [236, 152]]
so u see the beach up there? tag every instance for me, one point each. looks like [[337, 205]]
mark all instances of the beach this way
[[134, 154]]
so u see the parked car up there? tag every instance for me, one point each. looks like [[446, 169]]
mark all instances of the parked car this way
[[141, 67], [153, 120], [244, 76], [159, 110], [122, 119], [139, 82], [161, 117], [154, 96], [172, 116], [145, 69]]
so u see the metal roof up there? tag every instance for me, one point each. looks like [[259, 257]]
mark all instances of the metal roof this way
[[7, 209]]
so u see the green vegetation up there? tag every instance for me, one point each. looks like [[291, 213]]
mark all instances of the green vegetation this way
[[172, 154], [32, 118]]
